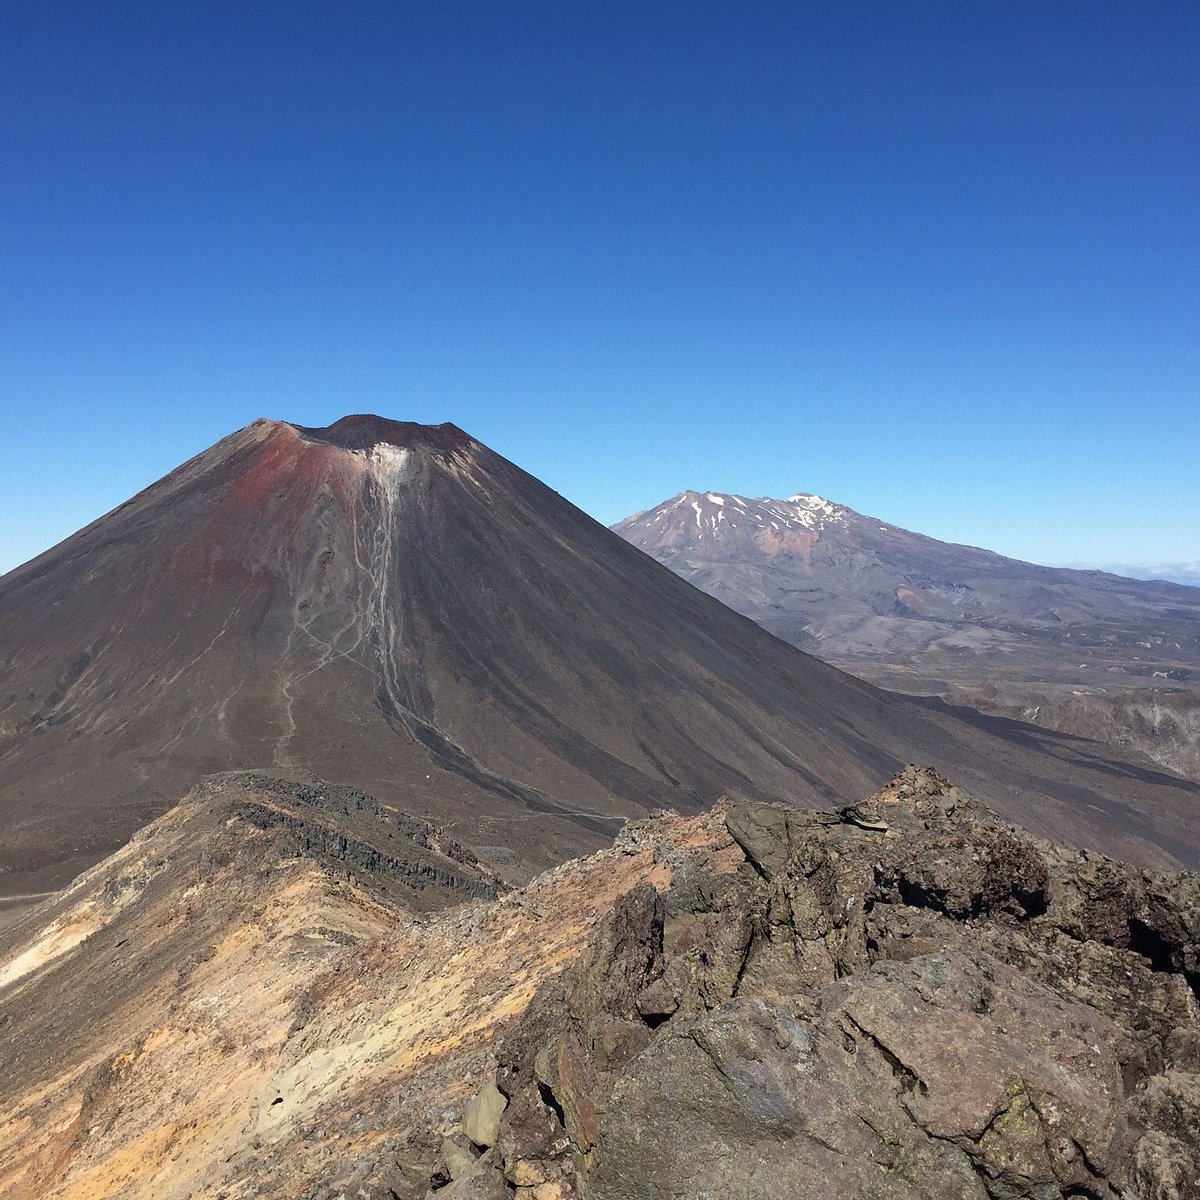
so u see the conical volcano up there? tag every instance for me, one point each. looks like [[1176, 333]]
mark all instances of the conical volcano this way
[[396, 607]]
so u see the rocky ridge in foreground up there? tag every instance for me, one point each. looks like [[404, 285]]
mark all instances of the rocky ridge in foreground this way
[[904, 998]]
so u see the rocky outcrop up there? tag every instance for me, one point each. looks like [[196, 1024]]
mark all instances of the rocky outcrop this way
[[906, 998], [346, 826]]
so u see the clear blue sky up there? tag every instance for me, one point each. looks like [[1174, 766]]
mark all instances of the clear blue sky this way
[[940, 262]]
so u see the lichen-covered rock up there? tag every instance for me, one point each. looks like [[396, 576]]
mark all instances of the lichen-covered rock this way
[[764, 832], [1164, 1170], [904, 999], [1168, 1156], [480, 1180], [1028, 1084], [481, 1121], [944, 1076], [749, 1100], [459, 1155]]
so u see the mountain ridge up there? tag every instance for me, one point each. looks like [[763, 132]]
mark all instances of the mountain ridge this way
[[810, 504], [412, 614], [904, 998], [918, 615]]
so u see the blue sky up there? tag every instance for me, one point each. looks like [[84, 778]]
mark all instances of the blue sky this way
[[939, 262]]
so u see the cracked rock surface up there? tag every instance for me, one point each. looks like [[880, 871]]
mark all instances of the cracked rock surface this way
[[905, 998]]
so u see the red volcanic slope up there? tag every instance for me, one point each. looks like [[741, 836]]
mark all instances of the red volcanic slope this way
[[396, 607]]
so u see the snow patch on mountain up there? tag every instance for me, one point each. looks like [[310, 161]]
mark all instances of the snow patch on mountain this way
[[718, 513]]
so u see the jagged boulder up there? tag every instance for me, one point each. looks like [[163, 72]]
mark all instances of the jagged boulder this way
[[907, 998], [1167, 1158], [752, 1100], [481, 1121], [946, 1076]]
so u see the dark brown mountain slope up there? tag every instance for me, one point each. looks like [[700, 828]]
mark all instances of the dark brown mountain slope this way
[[396, 607], [1082, 651]]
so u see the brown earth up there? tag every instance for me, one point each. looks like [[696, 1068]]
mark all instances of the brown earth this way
[[902, 998], [396, 608]]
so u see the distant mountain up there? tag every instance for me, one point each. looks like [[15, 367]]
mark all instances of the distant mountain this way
[[1187, 573], [929, 617]]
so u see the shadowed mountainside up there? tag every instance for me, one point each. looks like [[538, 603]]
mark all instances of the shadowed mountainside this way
[[396, 607]]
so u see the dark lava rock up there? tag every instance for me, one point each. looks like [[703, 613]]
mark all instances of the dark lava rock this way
[[904, 999]]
